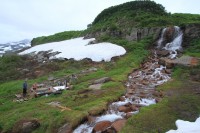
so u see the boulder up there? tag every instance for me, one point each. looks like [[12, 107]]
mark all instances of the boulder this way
[[117, 125], [168, 71], [122, 98], [124, 109], [134, 108], [101, 80], [65, 129], [26, 126], [128, 115], [91, 119], [101, 126], [162, 53]]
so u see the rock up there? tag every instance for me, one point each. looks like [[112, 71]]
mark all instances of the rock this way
[[26, 126], [158, 100], [191, 32], [168, 71], [134, 108], [144, 82], [124, 109], [101, 126], [110, 130], [91, 119], [186, 61], [166, 62], [156, 94], [122, 98], [67, 128], [101, 80], [95, 86], [162, 53], [161, 61], [117, 125], [130, 91], [128, 115]]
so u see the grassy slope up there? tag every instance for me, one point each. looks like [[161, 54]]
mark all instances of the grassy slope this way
[[81, 103], [181, 102], [56, 37]]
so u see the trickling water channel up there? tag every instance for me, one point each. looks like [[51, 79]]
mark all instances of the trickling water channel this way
[[140, 87]]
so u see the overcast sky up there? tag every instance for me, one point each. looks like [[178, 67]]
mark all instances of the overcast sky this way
[[25, 19]]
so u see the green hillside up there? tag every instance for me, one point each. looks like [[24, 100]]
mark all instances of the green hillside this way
[[143, 13]]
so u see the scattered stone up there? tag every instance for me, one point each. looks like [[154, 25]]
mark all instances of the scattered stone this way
[[117, 125], [101, 126]]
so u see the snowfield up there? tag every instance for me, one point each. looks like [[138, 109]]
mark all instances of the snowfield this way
[[187, 127], [78, 49]]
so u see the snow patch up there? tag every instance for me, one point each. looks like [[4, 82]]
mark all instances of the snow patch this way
[[79, 49], [187, 127]]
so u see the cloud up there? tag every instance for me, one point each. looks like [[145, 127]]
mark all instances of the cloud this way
[[22, 19]]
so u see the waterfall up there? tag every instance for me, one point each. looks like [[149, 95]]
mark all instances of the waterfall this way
[[175, 44], [161, 38]]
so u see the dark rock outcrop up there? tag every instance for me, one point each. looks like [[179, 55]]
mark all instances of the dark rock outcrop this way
[[133, 34], [191, 32]]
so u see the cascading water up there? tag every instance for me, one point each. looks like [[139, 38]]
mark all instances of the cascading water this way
[[140, 87], [175, 44]]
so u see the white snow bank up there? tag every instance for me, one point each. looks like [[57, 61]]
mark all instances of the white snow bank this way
[[78, 49], [187, 127]]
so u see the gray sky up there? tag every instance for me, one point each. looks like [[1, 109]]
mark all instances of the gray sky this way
[[25, 19]]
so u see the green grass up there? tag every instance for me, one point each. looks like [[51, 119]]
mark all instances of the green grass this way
[[194, 48], [56, 37], [180, 102], [82, 103]]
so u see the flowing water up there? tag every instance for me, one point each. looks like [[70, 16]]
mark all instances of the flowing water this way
[[173, 46], [140, 87]]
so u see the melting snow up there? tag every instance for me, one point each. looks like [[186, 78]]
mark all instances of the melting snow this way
[[78, 49], [187, 127]]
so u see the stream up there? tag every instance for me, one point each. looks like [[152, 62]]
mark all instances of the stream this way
[[140, 89]]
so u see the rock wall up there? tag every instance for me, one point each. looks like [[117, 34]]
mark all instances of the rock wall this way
[[133, 34], [191, 32]]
